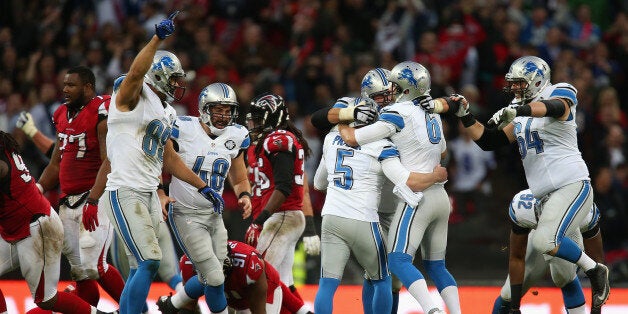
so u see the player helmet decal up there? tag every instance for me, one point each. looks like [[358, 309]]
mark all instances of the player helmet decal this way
[[166, 75], [410, 80], [376, 82], [213, 95], [527, 77], [267, 112]]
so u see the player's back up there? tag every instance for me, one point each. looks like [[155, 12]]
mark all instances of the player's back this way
[[135, 142], [355, 177], [20, 199], [210, 158], [549, 147], [419, 137], [80, 150], [261, 170]]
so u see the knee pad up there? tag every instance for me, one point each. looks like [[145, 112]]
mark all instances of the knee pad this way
[[543, 242], [150, 265], [439, 274], [215, 278]]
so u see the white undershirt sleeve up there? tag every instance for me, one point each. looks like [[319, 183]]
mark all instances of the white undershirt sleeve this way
[[320, 178], [374, 132], [395, 171]]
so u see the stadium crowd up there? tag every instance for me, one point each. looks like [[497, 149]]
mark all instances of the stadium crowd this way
[[313, 52]]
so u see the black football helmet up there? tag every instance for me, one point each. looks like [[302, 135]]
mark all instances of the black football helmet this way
[[267, 112]]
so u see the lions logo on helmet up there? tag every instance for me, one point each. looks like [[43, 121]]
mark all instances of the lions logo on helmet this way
[[377, 86], [166, 75], [527, 77], [410, 80]]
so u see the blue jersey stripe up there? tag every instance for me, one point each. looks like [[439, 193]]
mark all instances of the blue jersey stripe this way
[[511, 213], [246, 143], [393, 118], [562, 92], [388, 153]]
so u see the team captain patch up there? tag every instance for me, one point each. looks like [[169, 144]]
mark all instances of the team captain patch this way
[[230, 144]]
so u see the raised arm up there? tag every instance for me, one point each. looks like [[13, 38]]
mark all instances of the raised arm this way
[[131, 87]]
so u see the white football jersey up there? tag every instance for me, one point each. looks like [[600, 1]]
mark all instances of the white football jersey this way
[[209, 158], [549, 147], [524, 212], [419, 137], [354, 177], [135, 142]]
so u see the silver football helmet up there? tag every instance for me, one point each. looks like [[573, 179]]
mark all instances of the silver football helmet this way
[[213, 95], [527, 77], [376, 85], [410, 80], [166, 75]]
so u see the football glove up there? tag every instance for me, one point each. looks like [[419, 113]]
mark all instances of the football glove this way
[[502, 117], [165, 28], [252, 234], [366, 112], [213, 196], [25, 122], [90, 215], [463, 104]]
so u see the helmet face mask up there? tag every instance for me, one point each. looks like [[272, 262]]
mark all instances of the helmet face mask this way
[[267, 112], [410, 80], [218, 107], [527, 77], [166, 75], [376, 85]]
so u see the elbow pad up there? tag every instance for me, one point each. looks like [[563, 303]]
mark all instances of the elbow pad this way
[[555, 108], [492, 139]]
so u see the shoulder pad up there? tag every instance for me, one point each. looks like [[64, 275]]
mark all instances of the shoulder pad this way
[[255, 268], [566, 91], [279, 142], [522, 210]]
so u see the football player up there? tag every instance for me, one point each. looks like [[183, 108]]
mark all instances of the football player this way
[[275, 161]]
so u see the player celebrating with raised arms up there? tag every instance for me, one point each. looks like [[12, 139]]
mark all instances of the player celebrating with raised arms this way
[[542, 120], [138, 147]]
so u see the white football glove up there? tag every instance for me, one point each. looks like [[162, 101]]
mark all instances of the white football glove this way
[[312, 245], [25, 122], [502, 117], [366, 111], [407, 195]]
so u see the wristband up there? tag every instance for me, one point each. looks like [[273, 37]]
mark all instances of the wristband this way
[[161, 187], [310, 228], [245, 193], [263, 216], [346, 114], [438, 105], [524, 111], [468, 120], [92, 201], [515, 296]]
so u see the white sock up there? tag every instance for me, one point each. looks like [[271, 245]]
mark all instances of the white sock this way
[[451, 298], [586, 262], [303, 310], [418, 290], [577, 310], [225, 311], [180, 299]]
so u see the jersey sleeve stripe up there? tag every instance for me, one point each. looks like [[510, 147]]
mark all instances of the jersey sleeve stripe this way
[[511, 213], [393, 118], [246, 142], [565, 92], [341, 104], [388, 153]]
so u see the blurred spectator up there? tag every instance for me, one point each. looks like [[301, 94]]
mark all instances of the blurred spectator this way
[[471, 168], [44, 109], [612, 205], [536, 28], [583, 33]]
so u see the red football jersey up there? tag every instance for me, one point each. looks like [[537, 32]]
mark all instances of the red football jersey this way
[[261, 171], [21, 199], [79, 146], [247, 267]]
